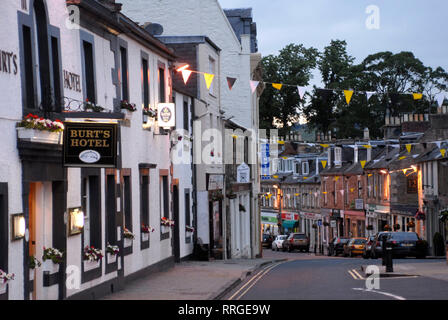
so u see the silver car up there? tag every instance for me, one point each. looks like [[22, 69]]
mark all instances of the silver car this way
[[277, 244]]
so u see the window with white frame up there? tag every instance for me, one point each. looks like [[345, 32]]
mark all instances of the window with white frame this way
[[297, 167], [305, 168], [289, 164], [338, 156]]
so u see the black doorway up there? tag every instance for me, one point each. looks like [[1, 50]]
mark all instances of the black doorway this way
[[176, 239]]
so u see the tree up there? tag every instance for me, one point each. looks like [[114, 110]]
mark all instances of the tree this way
[[293, 65]]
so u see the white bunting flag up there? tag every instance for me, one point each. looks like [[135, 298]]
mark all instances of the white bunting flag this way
[[369, 94], [254, 85], [438, 143]]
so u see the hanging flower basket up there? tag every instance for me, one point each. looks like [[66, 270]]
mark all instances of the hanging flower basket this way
[[166, 222], [397, 227], [326, 224], [387, 228], [314, 226], [420, 215], [411, 224], [189, 229]]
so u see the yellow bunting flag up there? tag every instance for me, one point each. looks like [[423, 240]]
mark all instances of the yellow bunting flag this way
[[324, 145], [304, 178], [409, 147], [208, 79], [325, 192], [363, 163], [234, 136], [352, 189], [417, 96], [281, 142], [285, 158], [402, 158], [297, 194], [275, 177], [324, 163], [367, 146], [370, 174], [443, 151], [348, 95], [336, 178], [277, 86]]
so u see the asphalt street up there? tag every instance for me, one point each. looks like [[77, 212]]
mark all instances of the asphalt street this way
[[306, 276]]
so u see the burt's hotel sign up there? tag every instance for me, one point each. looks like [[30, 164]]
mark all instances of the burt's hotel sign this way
[[90, 145]]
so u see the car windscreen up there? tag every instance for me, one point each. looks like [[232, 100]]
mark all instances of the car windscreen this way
[[345, 240], [299, 236], [281, 237], [404, 236], [359, 241]]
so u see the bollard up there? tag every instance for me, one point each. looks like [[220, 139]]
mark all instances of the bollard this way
[[389, 258]]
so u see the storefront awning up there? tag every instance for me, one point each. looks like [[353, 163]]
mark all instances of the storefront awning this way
[[289, 224]]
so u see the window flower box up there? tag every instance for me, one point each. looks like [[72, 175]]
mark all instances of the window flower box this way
[[32, 271], [4, 279], [112, 253], [50, 266], [34, 135], [36, 129], [111, 258], [91, 265], [3, 287], [189, 229], [51, 259], [146, 230], [128, 238], [145, 237], [127, 108]]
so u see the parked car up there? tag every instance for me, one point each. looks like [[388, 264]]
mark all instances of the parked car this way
[[267, 240], [377, 247], [355, 247], [407, 244], [336, 246], [367, 252], [297, 241], [277, 244]]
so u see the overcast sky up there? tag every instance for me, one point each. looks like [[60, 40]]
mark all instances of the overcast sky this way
[[405, 25]]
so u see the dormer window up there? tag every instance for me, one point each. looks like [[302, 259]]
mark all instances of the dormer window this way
[[338, 156]]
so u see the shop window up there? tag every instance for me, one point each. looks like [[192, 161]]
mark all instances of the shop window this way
[[111, 209], [92, 210]]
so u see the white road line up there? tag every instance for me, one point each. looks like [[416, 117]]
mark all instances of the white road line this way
[[248, 282], [353, 275], [381, 292], [258, 279], [356, 272]]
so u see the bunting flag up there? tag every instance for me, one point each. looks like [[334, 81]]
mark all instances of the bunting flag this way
[[186, 75], [297, 194], [324, 145], [438, 143], [304, 178], [370, 174], [402, 158], [409, 147], [277, 86], [417, 96], [324, 163], [254, 85], [352, 189], [443, 151], [367, 146], [369, 94], [281, 142], [440, 99], [348, 95], [208, 79], [275, 177], [302, 91], [336, 178], [285, 158], [363, 163], [342, 192], [231, 82]]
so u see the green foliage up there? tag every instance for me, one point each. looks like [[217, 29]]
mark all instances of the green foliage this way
[[385, 73], [293, 65]]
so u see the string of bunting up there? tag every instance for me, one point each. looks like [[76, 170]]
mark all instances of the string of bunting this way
[[302, 90]]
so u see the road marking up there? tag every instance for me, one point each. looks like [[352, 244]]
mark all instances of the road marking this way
[[250, 284], [381, 292], [356, 272], [353, 275]]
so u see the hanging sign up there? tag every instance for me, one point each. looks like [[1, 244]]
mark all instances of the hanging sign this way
[[243, 173], [90, 145], [166, 115]]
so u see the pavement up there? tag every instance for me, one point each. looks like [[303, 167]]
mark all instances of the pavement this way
[[192, 280]]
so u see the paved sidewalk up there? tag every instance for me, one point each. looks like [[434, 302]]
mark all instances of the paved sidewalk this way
[[190, 280], [437, 269]]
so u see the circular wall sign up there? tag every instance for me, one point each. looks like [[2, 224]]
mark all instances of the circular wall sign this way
[[89, 156], [165, 114]]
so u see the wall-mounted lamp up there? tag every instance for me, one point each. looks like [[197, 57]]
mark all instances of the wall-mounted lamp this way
[[76, 221], [18, 226]]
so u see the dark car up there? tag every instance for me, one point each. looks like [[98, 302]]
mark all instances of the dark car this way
[[336, 246], [367, 253], [267, 240], [407, 244], [377, 247], [297, 241]]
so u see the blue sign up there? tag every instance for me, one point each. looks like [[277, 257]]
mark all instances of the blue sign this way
[[265, 165]]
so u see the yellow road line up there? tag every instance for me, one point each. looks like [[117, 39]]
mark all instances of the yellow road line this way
[[248, 282], [353, 275], [258, 279], [356, 272]]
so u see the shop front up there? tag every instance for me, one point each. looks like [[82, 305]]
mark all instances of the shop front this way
[[403, 219], [355, 223], [290, 222]]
